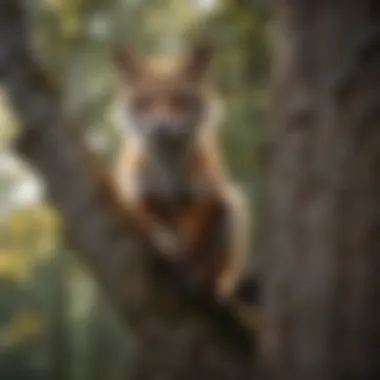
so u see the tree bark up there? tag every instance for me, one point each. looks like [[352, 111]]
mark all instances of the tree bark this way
[[322, 247], [178, 335], [59, 333]]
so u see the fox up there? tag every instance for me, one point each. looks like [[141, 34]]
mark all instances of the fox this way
[[170, 173]]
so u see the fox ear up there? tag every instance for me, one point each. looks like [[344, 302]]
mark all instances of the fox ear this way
[[199, 60], [126, 62]]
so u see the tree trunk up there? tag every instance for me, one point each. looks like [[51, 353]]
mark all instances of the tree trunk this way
[[322, 245]]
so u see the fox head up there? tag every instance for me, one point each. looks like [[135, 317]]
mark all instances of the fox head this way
[[164, 99]]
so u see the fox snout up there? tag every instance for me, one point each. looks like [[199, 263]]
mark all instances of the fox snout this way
[[164, 129], [167, 131]]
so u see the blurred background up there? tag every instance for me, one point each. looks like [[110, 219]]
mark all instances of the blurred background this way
[[54, 323]]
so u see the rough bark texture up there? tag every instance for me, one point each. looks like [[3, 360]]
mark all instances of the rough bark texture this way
[[178, 336], [322, 283]]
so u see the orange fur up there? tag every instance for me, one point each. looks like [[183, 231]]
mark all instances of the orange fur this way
[[194, 220]]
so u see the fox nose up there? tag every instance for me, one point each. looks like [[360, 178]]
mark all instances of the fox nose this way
[[163, 130]]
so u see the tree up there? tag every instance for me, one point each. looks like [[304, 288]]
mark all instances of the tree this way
[[322, 239]]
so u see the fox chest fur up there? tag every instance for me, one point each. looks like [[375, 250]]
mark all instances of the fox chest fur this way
[[176, 194]]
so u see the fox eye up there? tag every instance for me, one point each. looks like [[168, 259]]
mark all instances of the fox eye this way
[[183, 102], [142, 102]]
